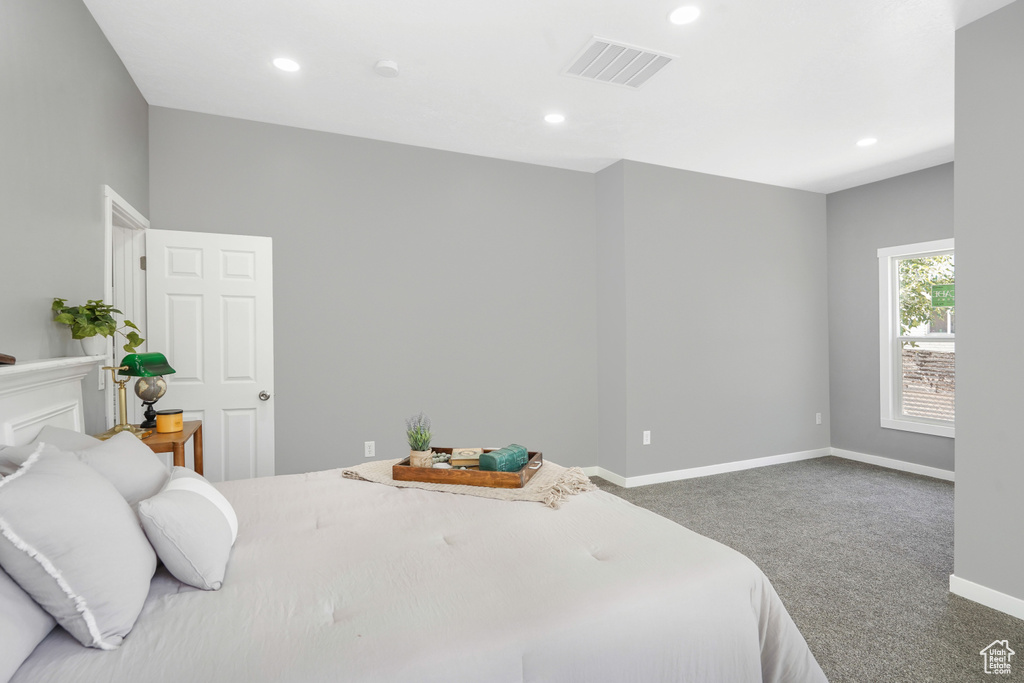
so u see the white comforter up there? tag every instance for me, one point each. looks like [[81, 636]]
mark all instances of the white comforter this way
[[340, 580]]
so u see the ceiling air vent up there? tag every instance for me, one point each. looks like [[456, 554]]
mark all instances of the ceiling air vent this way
[[618, 63]]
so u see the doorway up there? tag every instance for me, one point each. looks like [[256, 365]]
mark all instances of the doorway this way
[[124, 250]]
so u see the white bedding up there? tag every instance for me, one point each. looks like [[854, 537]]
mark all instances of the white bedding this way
[[339, 580]]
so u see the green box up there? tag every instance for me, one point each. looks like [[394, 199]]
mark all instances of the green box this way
[[511, 458]]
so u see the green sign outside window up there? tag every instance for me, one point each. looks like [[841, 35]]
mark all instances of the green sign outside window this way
[[942, 296]]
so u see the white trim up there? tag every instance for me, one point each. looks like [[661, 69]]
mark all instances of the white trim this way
[[919, 427], [988, 597], [46, 364], [607, 475], [735, 466], [123, 213], [707, 470], [693, 472], [39, 392], [886, 358], [888, 340], [936, 337], [117, 212], [891, 464], [917, 248], [49, 416]]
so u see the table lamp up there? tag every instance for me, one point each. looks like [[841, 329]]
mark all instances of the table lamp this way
[[150, 387], [149, 368]]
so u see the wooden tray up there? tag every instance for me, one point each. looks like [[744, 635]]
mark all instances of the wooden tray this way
[[402, 471]]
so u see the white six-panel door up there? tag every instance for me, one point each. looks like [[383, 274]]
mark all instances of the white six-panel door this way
[[210, 311]]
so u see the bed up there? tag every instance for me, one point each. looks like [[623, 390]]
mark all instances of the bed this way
[[332, 579]]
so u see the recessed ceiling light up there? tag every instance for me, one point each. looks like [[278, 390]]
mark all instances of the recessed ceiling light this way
[[684, 15], [386, 68], [285, 64], [866, 142], [555, 118]]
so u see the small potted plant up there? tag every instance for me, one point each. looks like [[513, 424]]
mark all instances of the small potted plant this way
[[417, 429], [92, 322]]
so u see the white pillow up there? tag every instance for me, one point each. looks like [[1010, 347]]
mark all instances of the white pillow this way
[[127, 462], [66, 439], [192, 526], [69, 539], [23, 625], [11, 457]]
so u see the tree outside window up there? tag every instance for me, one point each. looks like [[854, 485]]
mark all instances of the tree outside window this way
[[917, 286], [927, 349]]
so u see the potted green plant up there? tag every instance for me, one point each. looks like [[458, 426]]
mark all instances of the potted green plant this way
[[417, 429], [92, 322]]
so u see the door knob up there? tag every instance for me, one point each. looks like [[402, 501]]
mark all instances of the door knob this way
[[264, 396]]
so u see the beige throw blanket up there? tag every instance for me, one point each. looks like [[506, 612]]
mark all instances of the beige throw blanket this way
[[550, 486]]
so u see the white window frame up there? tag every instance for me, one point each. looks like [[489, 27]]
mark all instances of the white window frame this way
[[889, 343]]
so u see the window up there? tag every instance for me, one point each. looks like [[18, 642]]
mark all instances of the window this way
[[917, 328]]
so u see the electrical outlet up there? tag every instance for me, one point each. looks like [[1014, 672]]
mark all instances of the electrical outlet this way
[[817, 418], [369, 449], [647, 438]]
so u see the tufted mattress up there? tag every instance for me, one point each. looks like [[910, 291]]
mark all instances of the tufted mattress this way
[[339, 580]]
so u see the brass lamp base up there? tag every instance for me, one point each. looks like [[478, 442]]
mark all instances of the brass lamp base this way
[[123, 425], [116, 429]]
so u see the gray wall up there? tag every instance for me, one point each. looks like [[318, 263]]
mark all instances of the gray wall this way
[[611, 317], [916, 207], [71, 121], [366, 230], [989, 220], [725, 319], [405, 279]]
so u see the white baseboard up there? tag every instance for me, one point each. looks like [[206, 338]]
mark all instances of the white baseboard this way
[[893, 464], [986, 596], [607, 475], [692, 472]]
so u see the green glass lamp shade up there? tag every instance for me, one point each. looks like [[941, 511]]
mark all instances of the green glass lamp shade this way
[[145, 365]]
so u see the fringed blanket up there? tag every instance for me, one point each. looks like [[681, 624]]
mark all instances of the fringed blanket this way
[[550, 486]]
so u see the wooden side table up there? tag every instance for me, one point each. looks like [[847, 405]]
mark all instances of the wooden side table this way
[[175, 443]]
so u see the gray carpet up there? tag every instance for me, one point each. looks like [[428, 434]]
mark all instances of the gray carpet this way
[[860, 555]]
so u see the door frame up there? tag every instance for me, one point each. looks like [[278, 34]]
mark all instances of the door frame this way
[[118, 214]]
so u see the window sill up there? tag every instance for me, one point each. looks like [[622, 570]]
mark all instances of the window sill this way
[[919, 427]]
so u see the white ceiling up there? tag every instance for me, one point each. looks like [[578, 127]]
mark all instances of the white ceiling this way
[[774, 91]]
